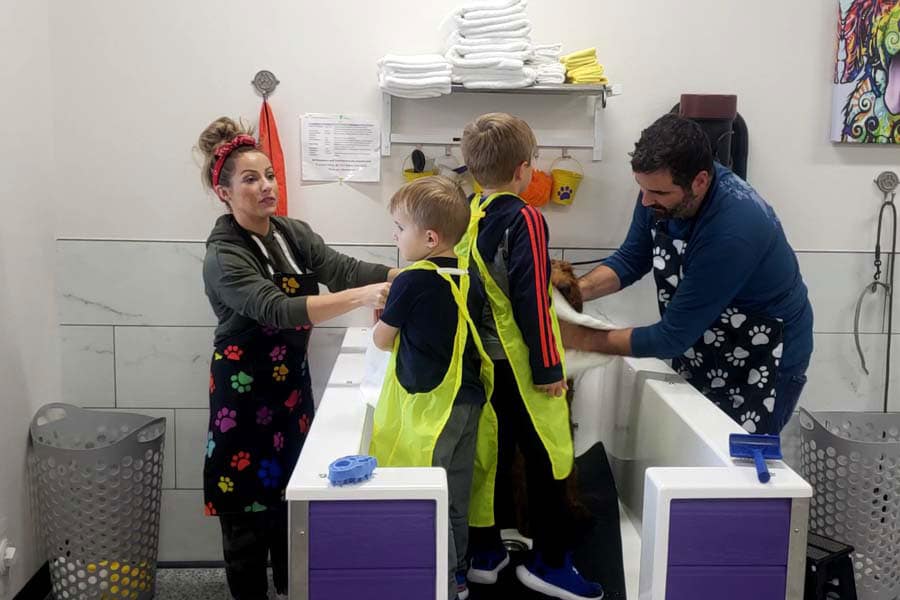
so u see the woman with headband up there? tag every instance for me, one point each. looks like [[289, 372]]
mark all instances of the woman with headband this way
[[262, 276]]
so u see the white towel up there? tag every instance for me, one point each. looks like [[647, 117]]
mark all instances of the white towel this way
[[548, 49], [550, 78], [515, 47], [479, 11], [494, 84], [491, 74], [579, 361], [507, 43], [414, 94], [488, 5], [511, 29], [438, 84], [420, 62], [467, 22], [415, 72], [486, 61]]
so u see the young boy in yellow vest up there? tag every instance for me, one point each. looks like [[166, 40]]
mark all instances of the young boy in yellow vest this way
[[439, 376], [521, 335]]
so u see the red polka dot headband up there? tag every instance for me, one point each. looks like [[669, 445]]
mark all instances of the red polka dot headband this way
[[224, 151]]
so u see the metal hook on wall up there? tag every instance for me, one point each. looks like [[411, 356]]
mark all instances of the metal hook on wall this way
[[265, 83], [565, 153]]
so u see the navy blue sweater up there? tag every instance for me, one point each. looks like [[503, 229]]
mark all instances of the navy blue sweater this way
[[737, 255], [520, 232]]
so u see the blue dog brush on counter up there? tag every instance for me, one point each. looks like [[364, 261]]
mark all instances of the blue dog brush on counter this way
[[351, 469], [758, 447]]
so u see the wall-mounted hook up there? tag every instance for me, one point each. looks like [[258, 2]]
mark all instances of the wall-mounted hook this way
[[265, 83], [447, 151], [565, 153]]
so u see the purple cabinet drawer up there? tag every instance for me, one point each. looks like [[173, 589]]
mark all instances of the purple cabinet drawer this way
[[384, 584], [729, 532], [390, 534], [733, 583]]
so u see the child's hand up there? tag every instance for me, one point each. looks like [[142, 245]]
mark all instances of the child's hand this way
[[554, 389]]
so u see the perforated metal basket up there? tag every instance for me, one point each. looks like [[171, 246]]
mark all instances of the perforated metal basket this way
[[852, 460], [97, 483]]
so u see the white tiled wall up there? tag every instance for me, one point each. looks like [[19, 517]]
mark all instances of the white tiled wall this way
[[137, 332]]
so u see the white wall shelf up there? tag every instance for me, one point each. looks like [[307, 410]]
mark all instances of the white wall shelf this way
[[592, 140]]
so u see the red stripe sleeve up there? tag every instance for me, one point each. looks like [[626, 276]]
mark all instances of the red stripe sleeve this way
[[544, 298], [533, 236]]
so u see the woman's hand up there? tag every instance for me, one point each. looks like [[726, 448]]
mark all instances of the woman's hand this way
[[374, 295]]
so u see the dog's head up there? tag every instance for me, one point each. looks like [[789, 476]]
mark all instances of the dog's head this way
[[563, 278]]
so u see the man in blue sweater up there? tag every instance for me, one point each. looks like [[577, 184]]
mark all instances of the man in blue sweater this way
[[736, 320]]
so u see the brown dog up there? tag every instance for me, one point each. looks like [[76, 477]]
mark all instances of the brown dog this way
[[563, 278]]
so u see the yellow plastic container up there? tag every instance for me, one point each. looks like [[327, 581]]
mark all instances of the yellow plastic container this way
[[409, 174], [565, 182]]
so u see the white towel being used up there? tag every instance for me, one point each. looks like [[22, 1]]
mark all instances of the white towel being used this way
[[579, 361]]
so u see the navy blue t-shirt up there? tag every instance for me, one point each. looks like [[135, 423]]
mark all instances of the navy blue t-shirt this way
[[422, 307]]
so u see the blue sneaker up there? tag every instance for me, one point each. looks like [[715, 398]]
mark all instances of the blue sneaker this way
[[564, 582], [462, 587], [486, 565]]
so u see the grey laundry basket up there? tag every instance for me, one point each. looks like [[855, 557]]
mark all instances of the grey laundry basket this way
[[97, 481], [852, 460]]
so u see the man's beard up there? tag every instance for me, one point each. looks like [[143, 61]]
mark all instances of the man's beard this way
[[685, 209]]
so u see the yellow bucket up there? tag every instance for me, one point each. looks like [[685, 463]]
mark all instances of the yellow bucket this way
[[565, 182], [410, 174]]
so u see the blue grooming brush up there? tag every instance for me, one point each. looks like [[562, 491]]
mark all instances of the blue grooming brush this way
[[758, 447]]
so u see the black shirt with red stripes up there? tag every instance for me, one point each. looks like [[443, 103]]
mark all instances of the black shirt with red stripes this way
[[519, 232]]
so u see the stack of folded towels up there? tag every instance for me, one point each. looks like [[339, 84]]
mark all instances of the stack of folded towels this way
[[583, 67], [545, 62], [490, 44], [419, 76]]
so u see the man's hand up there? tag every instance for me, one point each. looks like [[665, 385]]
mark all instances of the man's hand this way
[[578, 337], [573, 336], [554, 389]]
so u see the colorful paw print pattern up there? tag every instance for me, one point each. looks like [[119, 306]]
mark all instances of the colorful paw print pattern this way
[[564, 193], [280, 372], [240, 461], [260, 410], [290, 285], [735, 362], [241, 382], [270, 473]]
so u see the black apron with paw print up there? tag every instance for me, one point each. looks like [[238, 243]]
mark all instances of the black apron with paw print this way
[[735, 363], [260, 401]]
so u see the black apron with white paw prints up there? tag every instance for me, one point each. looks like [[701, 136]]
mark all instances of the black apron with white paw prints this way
[[735, 362], [260, 401]]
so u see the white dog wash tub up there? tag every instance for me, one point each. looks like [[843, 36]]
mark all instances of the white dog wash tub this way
[[695, 523]]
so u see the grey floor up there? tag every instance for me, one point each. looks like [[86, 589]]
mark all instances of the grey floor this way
[[193, 584]]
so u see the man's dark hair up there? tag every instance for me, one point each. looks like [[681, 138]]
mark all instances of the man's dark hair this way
[[676, 144]]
